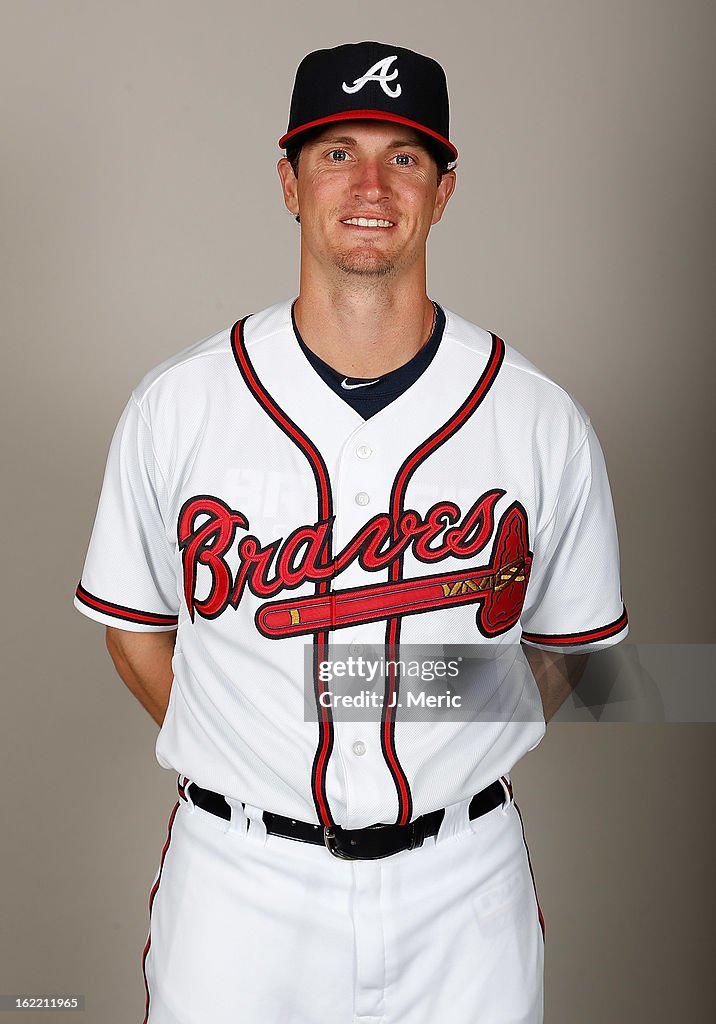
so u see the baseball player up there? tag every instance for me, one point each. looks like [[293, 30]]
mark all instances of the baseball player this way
[[358, 469]]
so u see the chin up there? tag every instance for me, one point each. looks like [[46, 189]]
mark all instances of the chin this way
[[368, 263], [365, 267]]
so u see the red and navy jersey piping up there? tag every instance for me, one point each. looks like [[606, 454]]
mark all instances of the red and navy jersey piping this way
[[124, 612], [392, 632], [319, 469], [590, 636]]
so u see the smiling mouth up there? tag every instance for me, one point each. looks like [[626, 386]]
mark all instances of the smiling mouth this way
[[368, 222]]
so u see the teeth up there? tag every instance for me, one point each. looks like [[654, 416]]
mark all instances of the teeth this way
[[365, 222]]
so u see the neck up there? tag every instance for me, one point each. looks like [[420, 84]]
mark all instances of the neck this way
[[364, 327]]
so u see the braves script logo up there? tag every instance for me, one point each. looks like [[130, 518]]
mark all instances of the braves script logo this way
[[207, 529], [378, 73]]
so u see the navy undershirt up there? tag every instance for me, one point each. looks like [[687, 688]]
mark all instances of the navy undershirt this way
[[373, 397]]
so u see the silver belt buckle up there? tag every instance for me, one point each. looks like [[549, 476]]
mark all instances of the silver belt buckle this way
[[329, 839]]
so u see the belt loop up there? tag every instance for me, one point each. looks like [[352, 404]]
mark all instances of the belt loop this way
[[184, 787], [238, 821], [418, 833], [455, 822], [256, 825], [506, 783]]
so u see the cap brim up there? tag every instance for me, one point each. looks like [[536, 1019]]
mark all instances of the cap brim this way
[[371, 115]]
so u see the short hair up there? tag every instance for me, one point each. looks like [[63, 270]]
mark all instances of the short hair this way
[[293, 152]]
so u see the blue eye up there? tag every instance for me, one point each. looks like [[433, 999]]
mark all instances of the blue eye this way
[[404, 159], [337, 155]]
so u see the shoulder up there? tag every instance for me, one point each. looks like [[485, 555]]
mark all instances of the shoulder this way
[[206, 362], [525, 389]]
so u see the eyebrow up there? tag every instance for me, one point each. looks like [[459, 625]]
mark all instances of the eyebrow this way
[[349, 141]]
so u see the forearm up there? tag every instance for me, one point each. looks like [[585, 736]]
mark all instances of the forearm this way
[[144, 663], [556, 676]]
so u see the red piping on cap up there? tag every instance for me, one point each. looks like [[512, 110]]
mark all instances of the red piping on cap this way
[[367, 115]]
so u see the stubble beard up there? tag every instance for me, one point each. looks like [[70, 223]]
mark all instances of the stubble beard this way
[[365, 266], [368, 262]]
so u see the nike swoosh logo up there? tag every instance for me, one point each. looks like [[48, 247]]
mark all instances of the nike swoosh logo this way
[[351, 387]]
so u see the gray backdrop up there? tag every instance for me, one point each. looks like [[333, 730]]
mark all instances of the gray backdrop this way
[[141, 212]]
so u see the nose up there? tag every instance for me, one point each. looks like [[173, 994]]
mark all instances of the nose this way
[[370, 181]]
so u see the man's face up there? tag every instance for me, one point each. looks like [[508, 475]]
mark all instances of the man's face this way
[[368, 194]]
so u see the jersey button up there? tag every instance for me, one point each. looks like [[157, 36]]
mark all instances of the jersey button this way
[[363, 451], [362, 498], [359, 748]]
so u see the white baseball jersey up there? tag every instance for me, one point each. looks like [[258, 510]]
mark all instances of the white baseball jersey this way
[[246, 505]]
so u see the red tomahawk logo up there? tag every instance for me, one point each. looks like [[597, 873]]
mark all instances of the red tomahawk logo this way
[[499, 587]]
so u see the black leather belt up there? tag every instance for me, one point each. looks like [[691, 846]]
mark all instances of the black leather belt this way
[[369, 843]]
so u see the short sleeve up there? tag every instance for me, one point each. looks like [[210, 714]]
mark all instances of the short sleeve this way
[[129, 577], [574, 599]]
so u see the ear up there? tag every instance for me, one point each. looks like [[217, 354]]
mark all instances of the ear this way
[[289, 184], [445, 190]]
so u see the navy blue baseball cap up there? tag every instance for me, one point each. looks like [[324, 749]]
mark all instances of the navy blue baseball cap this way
[[373, 81]]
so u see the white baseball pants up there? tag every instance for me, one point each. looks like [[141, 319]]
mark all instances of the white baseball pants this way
[[253, 929]]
